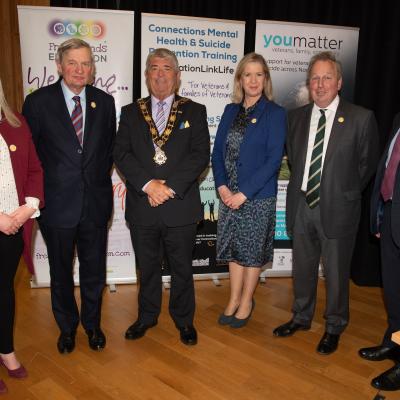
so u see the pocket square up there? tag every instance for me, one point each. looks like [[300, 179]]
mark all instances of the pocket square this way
[[184, 125]]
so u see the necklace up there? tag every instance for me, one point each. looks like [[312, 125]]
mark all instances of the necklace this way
[[159, 141]]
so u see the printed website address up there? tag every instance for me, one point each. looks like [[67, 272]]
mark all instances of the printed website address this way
[[44, 256]]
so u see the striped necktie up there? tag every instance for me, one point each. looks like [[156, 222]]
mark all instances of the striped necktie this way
[[160, 117], [77, 118], [314, 173]]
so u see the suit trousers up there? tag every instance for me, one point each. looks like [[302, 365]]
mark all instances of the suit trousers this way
[[178, 243], [91, 244], [11, 247], [390, 259], [310, 245]]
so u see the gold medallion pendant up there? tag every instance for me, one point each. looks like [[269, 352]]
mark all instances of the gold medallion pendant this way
[[160, 138], [160, 157]]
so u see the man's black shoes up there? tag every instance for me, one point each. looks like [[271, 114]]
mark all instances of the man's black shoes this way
[[138, 330]]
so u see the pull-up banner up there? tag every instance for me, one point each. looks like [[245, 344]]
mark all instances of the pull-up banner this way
[[288, 48], [110, 34], [208, 51]]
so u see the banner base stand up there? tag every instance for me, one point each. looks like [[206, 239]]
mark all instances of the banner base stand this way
[[112, 288], [166, 281], [216, 281]]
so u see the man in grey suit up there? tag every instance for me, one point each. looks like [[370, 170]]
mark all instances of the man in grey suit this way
[[332, 149]]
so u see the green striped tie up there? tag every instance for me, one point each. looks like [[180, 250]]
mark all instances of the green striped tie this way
[[314, 174]]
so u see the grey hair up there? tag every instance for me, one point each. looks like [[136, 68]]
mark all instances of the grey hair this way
[[163, 53], [72, 44]]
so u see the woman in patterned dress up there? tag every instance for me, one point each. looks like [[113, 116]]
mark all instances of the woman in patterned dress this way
[[246, 158]]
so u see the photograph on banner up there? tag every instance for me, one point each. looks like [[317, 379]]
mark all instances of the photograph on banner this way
[[208, 52], [288, 48], [103, 30]]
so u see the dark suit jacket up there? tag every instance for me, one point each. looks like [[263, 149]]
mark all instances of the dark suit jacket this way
[[73, 174], [260, 152], [350, 162], [188, 153], [376, 199], [28, 174]]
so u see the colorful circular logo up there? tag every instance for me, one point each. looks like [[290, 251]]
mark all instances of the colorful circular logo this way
[[84, 29], [79, 29], [71, 29]]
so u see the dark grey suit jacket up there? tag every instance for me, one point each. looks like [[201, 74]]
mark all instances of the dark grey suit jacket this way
[[350, 162], [188, 153], [376, 199]]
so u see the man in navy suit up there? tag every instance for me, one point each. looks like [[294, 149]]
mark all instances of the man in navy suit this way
[[73, 126], [385, 224]]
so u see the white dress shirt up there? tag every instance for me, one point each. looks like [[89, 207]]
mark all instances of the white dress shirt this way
[[315, 116]]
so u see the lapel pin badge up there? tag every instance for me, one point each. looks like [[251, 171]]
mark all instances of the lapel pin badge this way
[[13, 147], [93, 104], [341, 119], [186, 124], [254, 120]]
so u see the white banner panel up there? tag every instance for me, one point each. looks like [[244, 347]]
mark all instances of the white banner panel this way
[[110, 33], [288, 48], [208, 51]]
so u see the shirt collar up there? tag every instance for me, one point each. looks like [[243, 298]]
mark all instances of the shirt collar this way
[[168, 100], [69, 94], [331, 107]]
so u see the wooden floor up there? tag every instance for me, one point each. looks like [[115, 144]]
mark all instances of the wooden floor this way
[[229, 364]]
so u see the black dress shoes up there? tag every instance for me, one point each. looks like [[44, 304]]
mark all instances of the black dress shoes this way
[[97, 339], [389, 380], [289, 329], [66, 342], [379, 353], [188, 335], [328, 344], [137, 330]]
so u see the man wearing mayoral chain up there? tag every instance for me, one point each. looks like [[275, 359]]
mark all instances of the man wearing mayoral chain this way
[[162, 147]]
